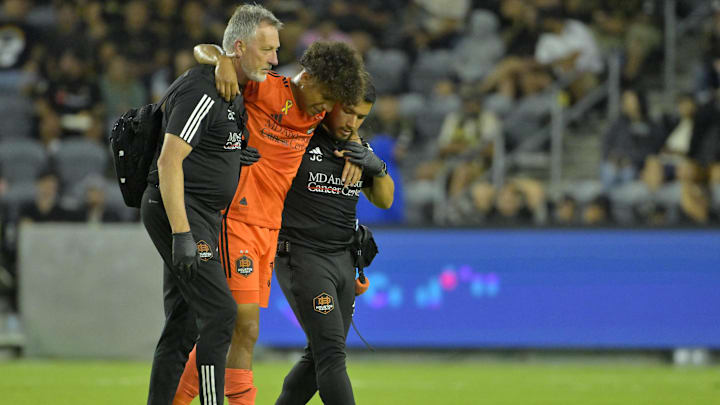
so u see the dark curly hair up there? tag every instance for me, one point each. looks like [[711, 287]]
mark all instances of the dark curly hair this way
[[370, 94], [338, 67]]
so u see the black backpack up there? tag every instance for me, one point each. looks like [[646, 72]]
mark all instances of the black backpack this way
[[133, 143]]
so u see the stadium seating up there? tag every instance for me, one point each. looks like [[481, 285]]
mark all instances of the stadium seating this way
[[21, 160], [76, 159]]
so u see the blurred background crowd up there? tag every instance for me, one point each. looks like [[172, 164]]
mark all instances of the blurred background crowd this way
[[490, 112]]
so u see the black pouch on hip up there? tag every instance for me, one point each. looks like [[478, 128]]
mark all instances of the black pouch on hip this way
[[365, 247]]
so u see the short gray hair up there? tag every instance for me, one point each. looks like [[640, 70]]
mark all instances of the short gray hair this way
[[244, 22]]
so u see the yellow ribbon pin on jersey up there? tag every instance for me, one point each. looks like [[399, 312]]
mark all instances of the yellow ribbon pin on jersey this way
[[288, 104]]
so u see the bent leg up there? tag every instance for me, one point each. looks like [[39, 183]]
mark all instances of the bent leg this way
[[319, 286]]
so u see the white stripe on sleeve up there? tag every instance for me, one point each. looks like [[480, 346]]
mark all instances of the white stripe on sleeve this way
[[193, 116], [199, 119]]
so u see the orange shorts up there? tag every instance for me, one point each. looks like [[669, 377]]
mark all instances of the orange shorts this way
[[248, 257]]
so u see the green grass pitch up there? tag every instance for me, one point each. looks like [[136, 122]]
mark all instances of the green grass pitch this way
[[374, 382]]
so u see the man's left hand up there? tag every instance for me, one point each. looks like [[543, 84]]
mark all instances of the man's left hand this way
[[362, 156]]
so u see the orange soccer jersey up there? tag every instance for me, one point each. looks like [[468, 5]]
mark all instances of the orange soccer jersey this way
[[280, 131]]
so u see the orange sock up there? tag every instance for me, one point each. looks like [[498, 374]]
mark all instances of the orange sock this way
[[239, 388], [188, 388]]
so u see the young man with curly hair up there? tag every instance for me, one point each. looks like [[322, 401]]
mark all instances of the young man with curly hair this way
[[283, 113], [315, 263]]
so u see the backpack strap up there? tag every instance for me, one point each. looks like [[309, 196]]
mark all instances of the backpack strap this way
[[169, 91]]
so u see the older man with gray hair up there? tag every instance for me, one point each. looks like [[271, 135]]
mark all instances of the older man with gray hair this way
[[190, 182]]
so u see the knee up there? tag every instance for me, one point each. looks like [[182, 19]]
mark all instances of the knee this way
[[330, 360], [246, 331]]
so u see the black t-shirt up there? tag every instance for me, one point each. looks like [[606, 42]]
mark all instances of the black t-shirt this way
[[320, 213], [197, 114], [71, 96]]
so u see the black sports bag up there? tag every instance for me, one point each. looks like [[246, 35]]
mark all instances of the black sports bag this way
[[133, 143]]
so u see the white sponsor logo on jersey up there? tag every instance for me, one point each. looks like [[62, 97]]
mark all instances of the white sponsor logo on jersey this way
[[234, 141], [316, 154]]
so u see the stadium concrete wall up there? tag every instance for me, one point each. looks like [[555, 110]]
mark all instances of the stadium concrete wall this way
[[89, 291]]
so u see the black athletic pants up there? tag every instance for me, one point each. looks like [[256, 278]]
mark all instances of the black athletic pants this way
[[203, 307], [320, 288]]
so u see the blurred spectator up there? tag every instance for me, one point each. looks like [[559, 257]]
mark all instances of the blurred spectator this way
[[135, 38], [690, 142], [468, 135], [388, 68], [50, 131], [628, 25], [387, 119], [628, 141], [478, 51], [73, 94], [163, 77], [707, 76], [325, 30], [517, 203], [597, 212], [520, 201], [166, 18], [569, 46], [20, 53], [520, 99], [96, 132], [46, 206], [694, 205], [442, 22], [67, 32], [641, 41], [195, 24], [443, 100], [94, 205], [520, 27], [352, 16], [120, 89], [565, 211], [95, 25]]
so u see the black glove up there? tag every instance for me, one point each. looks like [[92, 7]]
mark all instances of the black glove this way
[[365, 157], [249, 155], [184, 255]]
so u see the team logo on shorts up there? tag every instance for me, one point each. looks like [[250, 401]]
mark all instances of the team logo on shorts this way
[[244, 266], [204, 251], [323, 303]]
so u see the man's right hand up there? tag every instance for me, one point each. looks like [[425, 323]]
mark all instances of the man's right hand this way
[[184, 255], [226, 81]]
